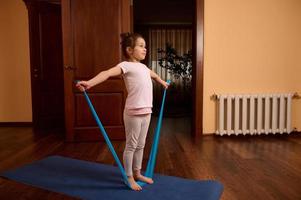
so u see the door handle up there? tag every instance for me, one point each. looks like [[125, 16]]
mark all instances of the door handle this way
[[68, 67]]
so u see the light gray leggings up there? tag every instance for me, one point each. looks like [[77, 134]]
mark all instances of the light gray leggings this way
[[136, 127]]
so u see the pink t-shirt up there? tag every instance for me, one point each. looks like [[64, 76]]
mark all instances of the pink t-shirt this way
[[139, 87]]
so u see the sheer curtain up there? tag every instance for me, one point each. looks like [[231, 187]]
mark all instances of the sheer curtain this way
[[180, 39]]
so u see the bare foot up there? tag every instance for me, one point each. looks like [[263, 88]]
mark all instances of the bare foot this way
[[142, 178], [133, 184]]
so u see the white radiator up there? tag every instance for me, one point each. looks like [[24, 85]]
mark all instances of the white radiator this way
[[254, 114]]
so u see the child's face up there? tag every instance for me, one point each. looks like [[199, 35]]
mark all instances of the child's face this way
[[139, 51]]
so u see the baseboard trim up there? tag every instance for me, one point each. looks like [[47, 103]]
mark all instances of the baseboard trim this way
[[15, 124]]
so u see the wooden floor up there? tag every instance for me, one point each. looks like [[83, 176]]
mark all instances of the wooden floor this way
[[249, 167]]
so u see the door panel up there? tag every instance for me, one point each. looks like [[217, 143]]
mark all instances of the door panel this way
[[92, 44], [100, 101]]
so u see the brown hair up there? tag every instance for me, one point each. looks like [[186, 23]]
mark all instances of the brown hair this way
[[128, 40]]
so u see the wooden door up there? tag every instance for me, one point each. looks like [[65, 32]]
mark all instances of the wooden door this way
[[46, 61], [91, 40]]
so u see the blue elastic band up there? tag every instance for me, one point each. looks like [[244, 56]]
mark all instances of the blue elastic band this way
[[152, 160], [106, 139]]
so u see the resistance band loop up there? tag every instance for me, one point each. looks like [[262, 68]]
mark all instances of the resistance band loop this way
[[152, 160]]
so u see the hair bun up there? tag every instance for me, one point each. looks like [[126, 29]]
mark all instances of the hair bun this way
[[125, 35]]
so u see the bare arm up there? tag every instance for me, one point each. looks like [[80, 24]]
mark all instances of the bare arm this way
[[157, 78], [99, 78]]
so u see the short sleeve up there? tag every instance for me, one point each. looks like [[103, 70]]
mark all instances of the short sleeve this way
[[124, 67]]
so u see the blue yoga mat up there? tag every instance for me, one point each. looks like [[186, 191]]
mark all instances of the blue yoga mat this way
[[88, 180]]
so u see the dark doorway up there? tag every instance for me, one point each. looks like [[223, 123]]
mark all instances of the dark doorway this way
[[161, 22], [46, 62]]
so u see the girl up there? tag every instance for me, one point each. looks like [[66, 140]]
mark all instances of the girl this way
[[138, 105]]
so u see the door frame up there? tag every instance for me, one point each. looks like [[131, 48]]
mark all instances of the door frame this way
[[198, 69]]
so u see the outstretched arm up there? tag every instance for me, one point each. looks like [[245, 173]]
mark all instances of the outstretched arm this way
[[157, 78], [99, 78]]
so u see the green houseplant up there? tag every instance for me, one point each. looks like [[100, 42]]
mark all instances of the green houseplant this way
[[180, 67]]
